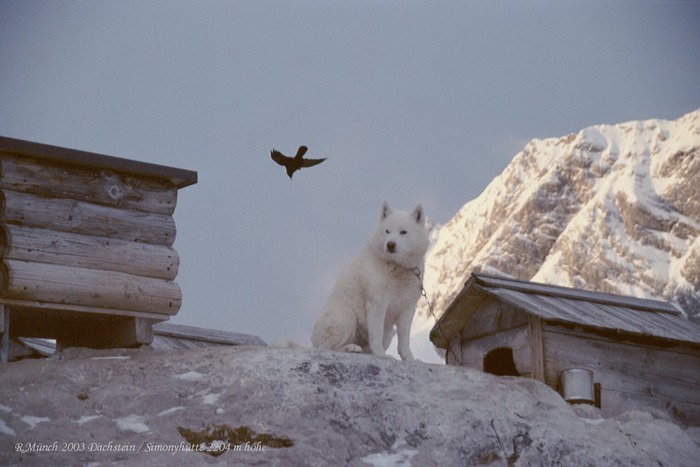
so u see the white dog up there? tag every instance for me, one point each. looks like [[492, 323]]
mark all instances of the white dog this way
[[378, 290]]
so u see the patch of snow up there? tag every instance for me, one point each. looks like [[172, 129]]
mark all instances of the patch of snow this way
[[6, 430], [593, 421], [190, 376], [397, 455], [169, 411], [133, 423], [34, 421], [210, 398], [4, 408], [86, 418], [112, 357]]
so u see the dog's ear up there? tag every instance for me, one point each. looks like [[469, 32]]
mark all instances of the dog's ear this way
[[386, 210], [418, 214]]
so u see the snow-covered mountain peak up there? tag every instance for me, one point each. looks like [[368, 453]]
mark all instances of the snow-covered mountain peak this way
[[612, 208]]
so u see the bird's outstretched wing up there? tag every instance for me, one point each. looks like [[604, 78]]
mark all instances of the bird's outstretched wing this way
[[301, 151], [311, 162], [280, 158]]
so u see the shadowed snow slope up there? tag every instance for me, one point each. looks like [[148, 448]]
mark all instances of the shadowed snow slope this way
[[307, 407]]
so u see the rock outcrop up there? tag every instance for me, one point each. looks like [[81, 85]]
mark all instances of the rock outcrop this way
[[269, 406]]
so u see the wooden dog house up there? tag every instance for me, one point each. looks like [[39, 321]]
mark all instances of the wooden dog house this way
[[86, 253], [641, 352]]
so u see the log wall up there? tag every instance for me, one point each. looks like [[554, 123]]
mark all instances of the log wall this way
[[81, 238], [99, 186]]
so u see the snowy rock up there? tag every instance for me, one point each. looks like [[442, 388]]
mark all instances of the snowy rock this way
[[308, 407]]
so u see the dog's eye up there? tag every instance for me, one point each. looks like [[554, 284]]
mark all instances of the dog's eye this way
[[403, 232], [387, 231]]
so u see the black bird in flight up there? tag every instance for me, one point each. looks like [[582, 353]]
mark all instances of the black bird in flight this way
[[292, 164]]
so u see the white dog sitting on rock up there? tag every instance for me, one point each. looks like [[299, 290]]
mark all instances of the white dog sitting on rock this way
[[376, 294]]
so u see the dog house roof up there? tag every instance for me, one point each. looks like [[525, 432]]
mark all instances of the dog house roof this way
[[562, 304]]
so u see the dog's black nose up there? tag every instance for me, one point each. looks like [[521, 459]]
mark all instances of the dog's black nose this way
[[391, 246]]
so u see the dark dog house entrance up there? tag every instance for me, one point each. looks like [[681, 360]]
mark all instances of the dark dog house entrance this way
[[500, 362]]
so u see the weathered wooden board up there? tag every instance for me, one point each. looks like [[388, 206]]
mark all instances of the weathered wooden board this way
[[106, 187], [207, 336], [666, 375], [52, 311], [493, 316], [68, 215], [536, 343], [474, 350], [88, 251], [453, 355], [53, 283]]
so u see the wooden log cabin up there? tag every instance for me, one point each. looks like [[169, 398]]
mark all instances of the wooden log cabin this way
[[642, 353], [86, 245]]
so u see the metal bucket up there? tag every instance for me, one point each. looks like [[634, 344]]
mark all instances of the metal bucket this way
[[577, 386]]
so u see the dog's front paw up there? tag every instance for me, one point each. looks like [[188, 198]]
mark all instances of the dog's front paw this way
[[353, 348]]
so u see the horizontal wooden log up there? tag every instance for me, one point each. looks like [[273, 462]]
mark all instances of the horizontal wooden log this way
[[87, 184], [87, 251], [40, 310], [67, 285], [79, 217]]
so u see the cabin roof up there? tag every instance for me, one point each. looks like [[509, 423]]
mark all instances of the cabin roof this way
[[597, 310], [167, 336], [179, 177]]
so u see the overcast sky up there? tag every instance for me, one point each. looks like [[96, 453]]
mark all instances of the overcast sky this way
[[410, 101]]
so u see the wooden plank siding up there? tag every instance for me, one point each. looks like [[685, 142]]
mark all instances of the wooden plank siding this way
[[453, 354], [517, 339], [496, 325], [631, 374], [536, 344]]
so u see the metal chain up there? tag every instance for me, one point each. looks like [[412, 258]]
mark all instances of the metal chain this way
[[424, 294]]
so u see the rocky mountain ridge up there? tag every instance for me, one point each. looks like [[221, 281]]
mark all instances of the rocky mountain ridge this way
[[612, 208]]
